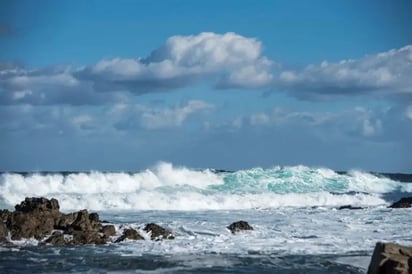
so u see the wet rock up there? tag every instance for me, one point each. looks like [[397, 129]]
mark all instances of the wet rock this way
[[39, 217], [130, 234], [158, 232], [87, 237], [402, 203], [66, 220], [57, 239], [22, 225], [239, 226], [86, 222], [30, 205], [349, 207], [391, 258], [4, 232], [108, 230]]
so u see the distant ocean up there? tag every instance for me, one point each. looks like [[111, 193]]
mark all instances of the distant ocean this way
[[294, 210]]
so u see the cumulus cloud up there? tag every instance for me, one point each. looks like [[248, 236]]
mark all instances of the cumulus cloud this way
[[226, 60], [386, 74], [230, 60]]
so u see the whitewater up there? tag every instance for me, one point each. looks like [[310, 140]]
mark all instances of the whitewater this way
[[294, 210]]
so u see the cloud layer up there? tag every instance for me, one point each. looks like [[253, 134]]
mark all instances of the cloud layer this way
[[222, 60], [387, 74]]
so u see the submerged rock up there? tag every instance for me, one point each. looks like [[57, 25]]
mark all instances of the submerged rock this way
[[130, 234], [158, 232], [239, 226], [349, 207], [402, 203], [391, 258]]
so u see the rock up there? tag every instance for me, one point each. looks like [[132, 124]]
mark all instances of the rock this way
[[239, 226], [22, 225], [391, 258], [57, 239], [108, 230], [39, 217], [86, 222], [66, 220], [349, 207], [4, 215], [158, 232], [38, 204], [4, 232], [87, 237], [402, 203], [130, 234]]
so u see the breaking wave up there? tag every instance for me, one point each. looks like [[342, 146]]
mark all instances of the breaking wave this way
[[166, 187]]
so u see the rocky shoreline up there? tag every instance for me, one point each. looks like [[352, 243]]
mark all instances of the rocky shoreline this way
[[41, 219]]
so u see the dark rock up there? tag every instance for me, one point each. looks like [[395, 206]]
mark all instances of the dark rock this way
[[87, 237], [41, 204], [158, 232], [108, 230], [39, 217], [349, 207], [57, 239], [391, 258], [402, 203], [130, 234], [65, 221], [86, 222], [239, 226], [4, 215], [23, 225], [4, 232]]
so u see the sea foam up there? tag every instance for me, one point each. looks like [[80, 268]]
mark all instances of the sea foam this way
[[165, 187]]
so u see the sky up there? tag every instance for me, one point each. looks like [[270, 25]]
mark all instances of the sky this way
[[122, 85]]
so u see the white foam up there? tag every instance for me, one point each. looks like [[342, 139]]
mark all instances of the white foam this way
[[166, 187]]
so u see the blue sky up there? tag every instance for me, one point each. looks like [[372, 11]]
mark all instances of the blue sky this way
[[121, 85]]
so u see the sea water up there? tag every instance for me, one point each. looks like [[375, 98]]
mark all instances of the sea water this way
[[297, 226]]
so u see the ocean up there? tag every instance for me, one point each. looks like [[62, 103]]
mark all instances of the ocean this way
[[298, 227]]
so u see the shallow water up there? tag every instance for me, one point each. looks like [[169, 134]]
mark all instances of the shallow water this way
[[287, 240]]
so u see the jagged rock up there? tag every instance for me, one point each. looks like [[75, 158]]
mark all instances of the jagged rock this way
[[402, 203], [87, 237], [349, 207], [39, 217], [42, 204], [4, 232], [57, 239], [130, 234], [108, 230], [86, 222], [4, 215], [158, 232], [66, 220], [239, 226], [391, 258], [22, 225]]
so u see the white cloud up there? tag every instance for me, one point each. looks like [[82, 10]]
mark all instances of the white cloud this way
[[383, 74], [231, 59]]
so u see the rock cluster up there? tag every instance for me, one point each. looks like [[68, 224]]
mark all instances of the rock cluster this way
[[391, 258], [40, 218]]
